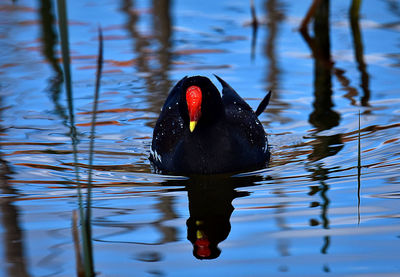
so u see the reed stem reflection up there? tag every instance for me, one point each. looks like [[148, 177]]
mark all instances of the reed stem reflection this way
[[13, 243], [275, 13], [274, 18], [49, 42], [254, 27], [359, 50], [154, 65], [323, 117]]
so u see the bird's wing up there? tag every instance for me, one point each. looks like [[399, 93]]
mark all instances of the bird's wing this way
[[174, 94], [231, 99]]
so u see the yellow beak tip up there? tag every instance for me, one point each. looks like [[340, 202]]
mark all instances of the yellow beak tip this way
[[192, 125]]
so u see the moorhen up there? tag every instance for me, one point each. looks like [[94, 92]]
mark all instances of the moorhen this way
[[200, 132]]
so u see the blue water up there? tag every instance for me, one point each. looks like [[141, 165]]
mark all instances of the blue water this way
[[305, 215]]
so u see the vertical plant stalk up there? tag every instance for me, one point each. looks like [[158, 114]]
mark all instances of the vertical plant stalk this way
[[359, 168], [93, 123], [91, 150], [63, 27]]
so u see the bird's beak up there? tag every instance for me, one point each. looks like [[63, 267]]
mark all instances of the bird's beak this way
[[193, 100], [192, 125]]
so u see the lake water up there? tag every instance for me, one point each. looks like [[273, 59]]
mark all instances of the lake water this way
[[312, 212]]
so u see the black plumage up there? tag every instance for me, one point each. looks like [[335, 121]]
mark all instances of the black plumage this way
[[228, 136]]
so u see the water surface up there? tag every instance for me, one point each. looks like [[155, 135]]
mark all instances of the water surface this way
[[310, 213]]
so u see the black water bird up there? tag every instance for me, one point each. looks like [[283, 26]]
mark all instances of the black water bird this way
[[200, 132]]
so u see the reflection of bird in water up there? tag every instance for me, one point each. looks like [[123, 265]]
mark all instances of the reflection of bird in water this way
[[210, 208], [200, 132], [205, 240]]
